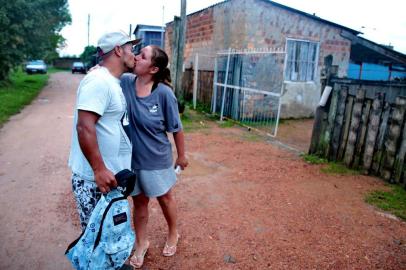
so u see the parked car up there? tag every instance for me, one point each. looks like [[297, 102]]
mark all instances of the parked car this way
[[78, 67], [36, 66]]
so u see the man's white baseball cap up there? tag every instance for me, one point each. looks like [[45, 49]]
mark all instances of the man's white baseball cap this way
[[110, 40]]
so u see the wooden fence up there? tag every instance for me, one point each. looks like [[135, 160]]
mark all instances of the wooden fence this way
[[363, 125], [204, 86]]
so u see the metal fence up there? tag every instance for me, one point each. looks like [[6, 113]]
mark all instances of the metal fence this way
[[247, 87]]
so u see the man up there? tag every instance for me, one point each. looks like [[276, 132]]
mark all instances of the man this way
[[100, 148]]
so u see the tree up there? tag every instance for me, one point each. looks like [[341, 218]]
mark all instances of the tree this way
[[30, 30], [88, 56]]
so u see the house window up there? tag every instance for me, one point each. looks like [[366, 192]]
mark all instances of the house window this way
[[153, 38], [301, 60], [155, 41]]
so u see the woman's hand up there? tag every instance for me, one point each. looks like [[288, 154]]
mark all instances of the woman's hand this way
[[182, 162]]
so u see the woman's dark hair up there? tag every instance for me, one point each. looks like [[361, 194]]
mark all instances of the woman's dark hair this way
[[160, 60]]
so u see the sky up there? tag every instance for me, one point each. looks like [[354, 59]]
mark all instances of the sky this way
[[381, 21]]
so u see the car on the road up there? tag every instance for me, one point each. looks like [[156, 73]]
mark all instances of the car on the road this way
[[78, 67], [36, 66]]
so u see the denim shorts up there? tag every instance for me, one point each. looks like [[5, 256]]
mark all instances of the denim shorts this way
[[154, 183]]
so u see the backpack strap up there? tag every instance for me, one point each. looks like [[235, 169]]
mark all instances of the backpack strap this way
[[71, 245], [98, 237]]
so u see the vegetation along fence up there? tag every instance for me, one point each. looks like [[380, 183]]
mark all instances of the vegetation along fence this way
[[364, 126]]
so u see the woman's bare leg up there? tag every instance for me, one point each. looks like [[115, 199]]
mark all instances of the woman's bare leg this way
[[168, 206], [140, 222]]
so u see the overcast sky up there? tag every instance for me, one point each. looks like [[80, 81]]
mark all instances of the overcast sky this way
[[382, 21]]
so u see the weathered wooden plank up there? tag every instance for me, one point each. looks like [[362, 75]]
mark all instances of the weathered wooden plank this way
[[391, 142], [317, 130], [377, 158], [400, 158], [338, 123], [372, 133], [362, 133], [330, 121], [354, 127], [347, 121], [404, 176], [321, 148]]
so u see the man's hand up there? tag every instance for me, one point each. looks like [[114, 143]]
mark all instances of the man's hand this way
[[105, 180]]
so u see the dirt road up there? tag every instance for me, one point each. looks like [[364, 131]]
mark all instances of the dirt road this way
[[34, 178], [243, 204]]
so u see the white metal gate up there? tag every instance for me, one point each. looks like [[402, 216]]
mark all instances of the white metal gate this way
[[247, 87]]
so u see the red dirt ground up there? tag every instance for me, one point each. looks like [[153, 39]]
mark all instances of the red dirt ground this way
[[244, 203]]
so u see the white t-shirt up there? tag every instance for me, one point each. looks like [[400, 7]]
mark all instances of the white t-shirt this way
[[100, 92]]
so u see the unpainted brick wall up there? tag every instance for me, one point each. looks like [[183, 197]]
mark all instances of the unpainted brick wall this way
[[258, 25], [255, 24]]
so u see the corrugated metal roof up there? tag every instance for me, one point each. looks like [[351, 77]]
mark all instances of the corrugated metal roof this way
[[141, 26]]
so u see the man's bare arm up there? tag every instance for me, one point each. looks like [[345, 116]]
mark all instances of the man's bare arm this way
[[86, 128]]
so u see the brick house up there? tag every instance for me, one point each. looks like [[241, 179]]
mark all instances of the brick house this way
[[259, 24]]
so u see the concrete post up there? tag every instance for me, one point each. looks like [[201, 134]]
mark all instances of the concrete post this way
[[195, 80]]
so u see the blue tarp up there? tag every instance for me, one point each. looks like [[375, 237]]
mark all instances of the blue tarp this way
[[374, 72]]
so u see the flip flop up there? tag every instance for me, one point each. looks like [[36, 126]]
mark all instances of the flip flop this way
[[169, 251], [138, 261]]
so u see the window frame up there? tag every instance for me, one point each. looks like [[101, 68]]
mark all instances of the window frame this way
[[315, 62]]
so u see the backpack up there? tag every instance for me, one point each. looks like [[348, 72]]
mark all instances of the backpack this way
[[108, 239]]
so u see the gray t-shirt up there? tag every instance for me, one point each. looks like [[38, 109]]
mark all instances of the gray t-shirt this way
[[150, 118]]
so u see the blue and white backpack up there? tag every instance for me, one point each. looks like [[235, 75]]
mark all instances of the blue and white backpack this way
[[108, 239]]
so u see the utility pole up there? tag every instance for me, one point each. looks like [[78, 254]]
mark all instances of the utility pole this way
[[163, 27], [88, 30], [180, 50], [175, 50], [130, 34]]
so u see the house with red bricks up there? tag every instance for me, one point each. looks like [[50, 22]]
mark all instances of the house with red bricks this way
[[312, 46]]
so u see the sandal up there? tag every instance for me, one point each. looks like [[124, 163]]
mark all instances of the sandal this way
[[138, 261], [169, 251]]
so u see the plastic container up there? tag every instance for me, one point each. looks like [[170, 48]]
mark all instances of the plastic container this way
[[178, 170]]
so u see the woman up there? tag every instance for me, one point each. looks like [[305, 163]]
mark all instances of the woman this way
[[152, 112]]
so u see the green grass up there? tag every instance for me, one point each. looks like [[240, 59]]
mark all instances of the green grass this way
[[330, 167], [259, 124], [55, 70], [18, 92], [313, 159], [200, 107], [225, 124], [200, 120], [338, 168], [393, 201], [192, 120]]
